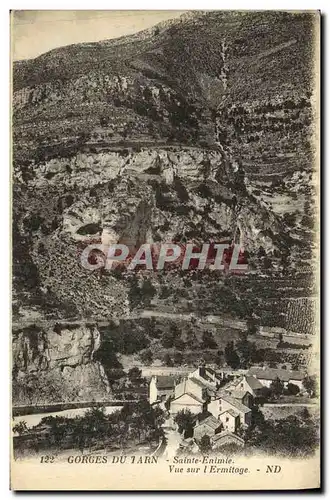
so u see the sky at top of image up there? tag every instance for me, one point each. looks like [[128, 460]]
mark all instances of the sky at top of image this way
[[35, 32]]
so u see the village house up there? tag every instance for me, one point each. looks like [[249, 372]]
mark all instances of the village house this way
[[245, 383], [227, 402], [192, 386], [267, 375], [161, 387], [225, 438], [230, 420], [209, 426], [297, 378], [240, 395], [207, 390], [189, 395], [207, 376]]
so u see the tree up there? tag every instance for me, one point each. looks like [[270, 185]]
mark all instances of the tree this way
[[205, 445], [219, 358], [95, 424], [261, 252], [78, 433], [267, 263], [208, 341], [293, 389], [134, 375], [246, 350], [146, 356], [305, 415], [252, 326], [148, 291], [277, 387], [20, 428], [115, 375], [310, 385], [147, 420], [294, 436], [178, 358], [289, 220], [179, 344], [295, 365], [167, 360], [83, 137], [58, 431], [39, 389], [184, 420], [134, 293], [257, 417], [104, 120], [167, 339], [231, 356], [264, 394]]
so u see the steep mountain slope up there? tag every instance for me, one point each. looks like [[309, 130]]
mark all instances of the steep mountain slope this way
[[163, 83]]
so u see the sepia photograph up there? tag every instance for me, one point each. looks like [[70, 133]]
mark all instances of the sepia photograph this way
[[165, 191]]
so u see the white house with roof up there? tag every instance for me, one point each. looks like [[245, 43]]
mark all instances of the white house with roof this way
[[297, 378], [230, 420], [267, 375], [161, 388], [192, 386], [227, 402], [189, 395]]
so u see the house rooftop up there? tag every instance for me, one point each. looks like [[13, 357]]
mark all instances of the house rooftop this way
[[192, 386], [165, 382], [236, 404], [224, 434], [273, 373], [237, 393], [231, 412], [198, 382], [210, 421], [253, 382], [198, 399], [204, 385]]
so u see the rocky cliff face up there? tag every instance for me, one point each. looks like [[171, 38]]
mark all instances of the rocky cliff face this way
[[57, 365], [154, 196]]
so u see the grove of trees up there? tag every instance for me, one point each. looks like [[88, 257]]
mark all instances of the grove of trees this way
[[296, 435], [135, 423]]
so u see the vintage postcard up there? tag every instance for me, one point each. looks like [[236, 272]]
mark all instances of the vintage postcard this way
[[165, 250]]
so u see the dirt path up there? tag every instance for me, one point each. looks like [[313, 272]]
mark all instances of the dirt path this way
[[173, 439]]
